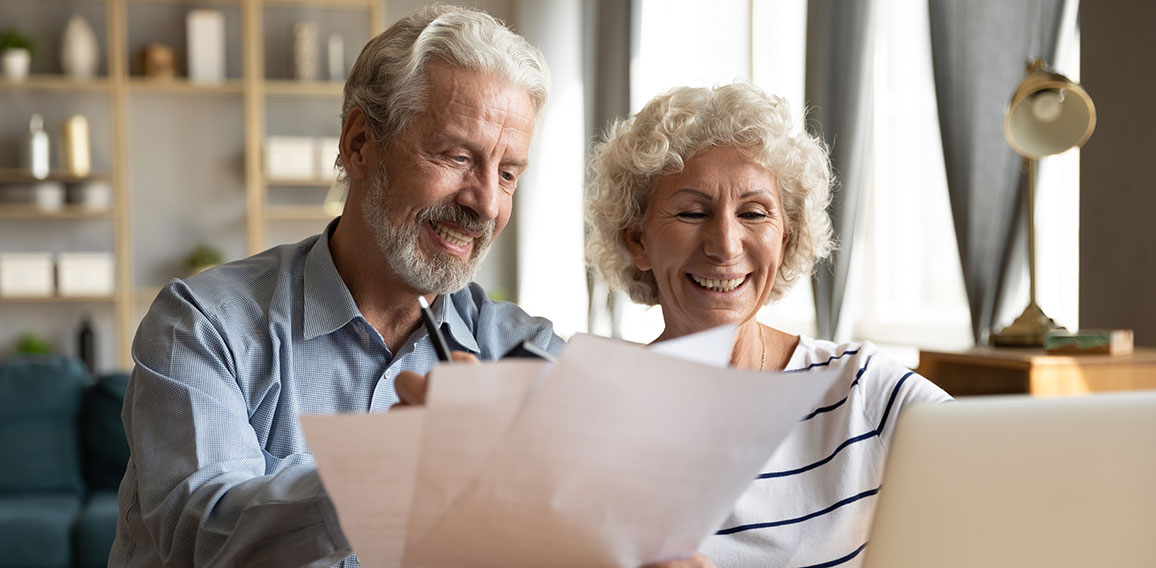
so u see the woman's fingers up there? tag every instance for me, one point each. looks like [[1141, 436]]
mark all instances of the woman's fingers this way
[[696, 561]]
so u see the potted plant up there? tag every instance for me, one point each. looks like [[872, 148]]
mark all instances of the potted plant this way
[[31, 344], [15, 54], [202, 258]]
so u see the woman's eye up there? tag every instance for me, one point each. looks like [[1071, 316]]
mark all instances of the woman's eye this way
[[692, 215], [753, 216]]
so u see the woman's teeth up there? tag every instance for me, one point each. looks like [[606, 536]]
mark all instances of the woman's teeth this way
[[450, 234], [718, 285]]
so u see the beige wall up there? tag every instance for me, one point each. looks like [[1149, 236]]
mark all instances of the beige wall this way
[[1117, 188]]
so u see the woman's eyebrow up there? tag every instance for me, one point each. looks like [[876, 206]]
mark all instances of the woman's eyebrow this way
[[755, 192], [696, 192]]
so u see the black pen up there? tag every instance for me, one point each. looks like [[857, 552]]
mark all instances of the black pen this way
[[435, 334]]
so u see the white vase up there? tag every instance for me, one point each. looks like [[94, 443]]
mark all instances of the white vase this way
[[79, 52], [306, 48], [15, 61]]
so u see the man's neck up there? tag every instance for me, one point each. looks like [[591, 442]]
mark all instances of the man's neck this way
[[386, 301]]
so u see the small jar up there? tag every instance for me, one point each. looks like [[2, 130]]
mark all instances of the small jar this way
[[75, 152]]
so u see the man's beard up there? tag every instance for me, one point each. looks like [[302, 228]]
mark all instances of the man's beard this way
[[441, 274]]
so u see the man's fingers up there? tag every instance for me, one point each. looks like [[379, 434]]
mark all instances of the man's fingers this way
[[462, 357], [411, 388]]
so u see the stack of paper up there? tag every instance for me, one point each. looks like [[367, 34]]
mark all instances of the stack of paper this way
[[616, 455]]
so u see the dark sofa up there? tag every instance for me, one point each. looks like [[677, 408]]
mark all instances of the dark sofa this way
[[64, 453]]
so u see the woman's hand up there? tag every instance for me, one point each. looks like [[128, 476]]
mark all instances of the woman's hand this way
[[411, 387], [696, 561]]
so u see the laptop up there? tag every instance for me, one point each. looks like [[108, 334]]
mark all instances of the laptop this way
[[1020, 481]]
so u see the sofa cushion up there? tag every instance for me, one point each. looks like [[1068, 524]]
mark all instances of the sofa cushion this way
[[39, 403], [105, 446], [96, 529], [36, 531]]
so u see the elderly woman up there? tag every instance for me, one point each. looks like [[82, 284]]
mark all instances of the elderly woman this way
[[711, 204]]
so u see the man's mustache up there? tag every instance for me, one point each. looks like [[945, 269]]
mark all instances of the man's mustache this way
[[450, 212]]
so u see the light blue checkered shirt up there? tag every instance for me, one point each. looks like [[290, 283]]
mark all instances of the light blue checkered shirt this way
[[220, 473]]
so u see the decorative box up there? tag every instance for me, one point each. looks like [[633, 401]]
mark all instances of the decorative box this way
[[85, 274], [26, 275], [290, 157], [326, 152], [205, 30], [1089, 341]]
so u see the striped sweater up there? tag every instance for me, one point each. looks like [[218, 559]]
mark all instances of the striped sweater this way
[[813, 503]]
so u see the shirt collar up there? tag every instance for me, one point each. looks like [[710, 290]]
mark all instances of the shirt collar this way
[[448, 316], [328, 303]]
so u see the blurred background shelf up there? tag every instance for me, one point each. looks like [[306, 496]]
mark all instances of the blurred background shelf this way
[[183, 161], [304, 88], [56, 83], [65, 212], [297, 213]]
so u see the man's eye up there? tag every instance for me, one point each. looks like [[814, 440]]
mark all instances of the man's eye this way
[[509, 176], [461, 159]]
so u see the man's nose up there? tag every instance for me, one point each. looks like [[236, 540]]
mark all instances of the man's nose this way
[[723, 240], [482, 193]]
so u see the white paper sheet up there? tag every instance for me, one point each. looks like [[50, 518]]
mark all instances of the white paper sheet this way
[[623, 456], [367, 464], [616, 455], [469, 409], [710, 347]]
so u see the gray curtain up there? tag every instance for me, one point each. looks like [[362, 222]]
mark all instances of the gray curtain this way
[[838, 48], [980, 50], [608, 31]]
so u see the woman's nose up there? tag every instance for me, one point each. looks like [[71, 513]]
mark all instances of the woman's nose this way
[[723, 239]]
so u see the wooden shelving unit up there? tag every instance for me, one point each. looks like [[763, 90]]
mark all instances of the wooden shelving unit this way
[[251, 87]]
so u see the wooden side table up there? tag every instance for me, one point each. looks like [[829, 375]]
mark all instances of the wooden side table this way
[[1006, 370]]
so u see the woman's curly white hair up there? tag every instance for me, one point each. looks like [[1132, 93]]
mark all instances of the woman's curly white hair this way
[[674, 127]]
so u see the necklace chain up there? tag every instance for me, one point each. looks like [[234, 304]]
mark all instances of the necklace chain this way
[[763, 364]]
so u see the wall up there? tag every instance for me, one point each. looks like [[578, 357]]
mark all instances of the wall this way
[[1117, 195]]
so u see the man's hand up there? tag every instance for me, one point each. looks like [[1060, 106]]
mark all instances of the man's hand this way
[[696, 561], [411, 387]]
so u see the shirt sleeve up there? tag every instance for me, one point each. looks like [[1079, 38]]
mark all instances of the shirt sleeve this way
[[892, 389], [208, 493]]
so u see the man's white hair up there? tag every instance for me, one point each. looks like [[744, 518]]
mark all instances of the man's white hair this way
[[388, 81]]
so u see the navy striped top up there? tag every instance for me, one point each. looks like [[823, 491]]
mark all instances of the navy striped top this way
[[813, 503]]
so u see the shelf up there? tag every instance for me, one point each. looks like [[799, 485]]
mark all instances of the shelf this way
[[196, 2], [10, 211], [181, 85], [359, 4], [56, 83], [55, 299], [287, 87], [297, 213], [21, 175], [285, 182]]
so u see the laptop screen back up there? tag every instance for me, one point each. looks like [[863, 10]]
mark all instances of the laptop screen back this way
[[1020, 481]]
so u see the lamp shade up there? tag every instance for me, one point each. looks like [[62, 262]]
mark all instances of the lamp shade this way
[[1048, 114]]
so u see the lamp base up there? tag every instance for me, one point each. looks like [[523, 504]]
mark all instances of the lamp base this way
[[1028, 330]]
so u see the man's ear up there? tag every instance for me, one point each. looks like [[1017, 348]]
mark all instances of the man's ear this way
[[634, 244], [355, 143]]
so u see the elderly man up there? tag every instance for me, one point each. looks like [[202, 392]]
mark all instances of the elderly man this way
[[436, 126]]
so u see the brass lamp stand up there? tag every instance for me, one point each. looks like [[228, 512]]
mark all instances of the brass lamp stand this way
[[1048, 114]]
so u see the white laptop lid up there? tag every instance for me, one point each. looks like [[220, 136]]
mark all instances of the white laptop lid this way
[[1020, 481]]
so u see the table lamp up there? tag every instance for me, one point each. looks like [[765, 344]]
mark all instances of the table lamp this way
[[1048, 114]]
